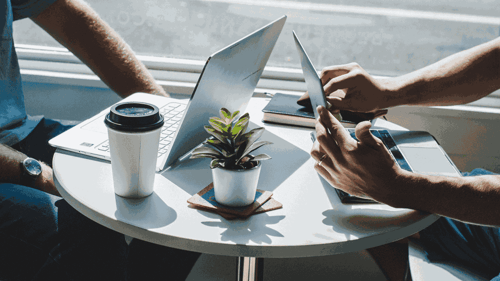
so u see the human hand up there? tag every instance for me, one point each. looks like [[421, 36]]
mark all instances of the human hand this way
[[350, 87], [360, 168], [45, 181]]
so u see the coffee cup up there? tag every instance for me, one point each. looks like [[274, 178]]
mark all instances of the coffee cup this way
[[134, 130]]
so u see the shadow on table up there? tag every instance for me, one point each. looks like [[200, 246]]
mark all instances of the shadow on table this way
[[149, 212], [192, 175], [246, 230], [354, 220]]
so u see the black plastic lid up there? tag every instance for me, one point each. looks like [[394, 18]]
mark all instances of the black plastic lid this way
[[134, 117]]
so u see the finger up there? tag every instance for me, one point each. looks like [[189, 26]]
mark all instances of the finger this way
[[337, 131], [327, 144], [364, 135], [322, 158], [327, 163], [346, 81], [332, 109], [334, 71], [316, 151], [338, 103], [325, 174], [338, 93]]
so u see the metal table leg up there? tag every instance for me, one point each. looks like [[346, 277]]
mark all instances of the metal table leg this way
[[250, 269]]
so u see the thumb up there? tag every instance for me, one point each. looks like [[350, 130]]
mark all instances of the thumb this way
[[364, 135], [335, 103]]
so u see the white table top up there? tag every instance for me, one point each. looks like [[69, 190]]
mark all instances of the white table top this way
[[312, 222]]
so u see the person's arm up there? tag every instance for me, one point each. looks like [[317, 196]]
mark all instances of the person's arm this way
[[78, 27], [365, 167], [460, 78], [11, 171], [470, 199]]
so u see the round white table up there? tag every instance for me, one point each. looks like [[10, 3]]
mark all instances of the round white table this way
[[312, 222]]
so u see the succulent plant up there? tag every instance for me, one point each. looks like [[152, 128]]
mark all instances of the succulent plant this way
[[230, 146]]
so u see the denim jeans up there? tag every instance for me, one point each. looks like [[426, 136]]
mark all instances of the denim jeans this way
[[44, 238], [472, 246]]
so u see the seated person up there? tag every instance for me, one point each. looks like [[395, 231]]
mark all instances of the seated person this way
[[41, 236], [468, 231]]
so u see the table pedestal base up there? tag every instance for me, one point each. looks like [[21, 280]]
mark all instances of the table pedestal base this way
[[250, 269]]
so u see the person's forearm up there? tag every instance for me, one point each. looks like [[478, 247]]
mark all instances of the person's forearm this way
[[10, 170], [460, 78], [9, 163], [75, 25], [469, 199]]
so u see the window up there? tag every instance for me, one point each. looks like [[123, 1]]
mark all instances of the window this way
[[387, 38]]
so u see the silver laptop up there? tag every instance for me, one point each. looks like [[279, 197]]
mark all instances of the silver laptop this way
[[228, 80], [414, 151]]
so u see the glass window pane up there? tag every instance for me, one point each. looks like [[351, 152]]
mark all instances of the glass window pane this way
[[385, 37]]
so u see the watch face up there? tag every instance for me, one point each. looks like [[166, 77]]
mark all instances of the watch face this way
[[32, 167]]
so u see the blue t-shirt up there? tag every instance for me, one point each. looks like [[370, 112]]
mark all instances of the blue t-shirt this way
[[15, 124]]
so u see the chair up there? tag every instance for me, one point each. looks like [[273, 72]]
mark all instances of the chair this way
[[424, 270]]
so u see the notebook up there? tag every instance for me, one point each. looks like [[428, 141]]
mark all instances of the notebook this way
[[414, 151], [228, 80]]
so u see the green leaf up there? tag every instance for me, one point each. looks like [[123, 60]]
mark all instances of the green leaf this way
[[206, 151], [239, 137], [253, 135], [217, 144], [240, 126], [216, 119], [225, 115], [224, 149], [235, 114], [241, 142], [219, 126], [216, 134], [253, 147], [246, 140], [236, 131], [203, 156], [261, 157], [243, 119], [214, 142], [216, 163]]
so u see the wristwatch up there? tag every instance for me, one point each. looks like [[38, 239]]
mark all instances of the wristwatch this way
[[31, 170]]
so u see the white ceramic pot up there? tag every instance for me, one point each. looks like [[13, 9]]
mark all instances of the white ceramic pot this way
[[236, 188]]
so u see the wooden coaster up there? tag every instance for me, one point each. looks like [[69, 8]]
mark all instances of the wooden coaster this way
[[206, 199], [269, 205]]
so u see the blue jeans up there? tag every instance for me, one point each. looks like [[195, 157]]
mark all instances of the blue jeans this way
[[44, 238], [475, 247]]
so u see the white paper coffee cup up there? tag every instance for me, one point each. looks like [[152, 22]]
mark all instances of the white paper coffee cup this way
[[134, 134]]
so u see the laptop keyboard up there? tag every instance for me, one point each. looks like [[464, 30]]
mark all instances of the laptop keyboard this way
[[172, 113], [389, 144]]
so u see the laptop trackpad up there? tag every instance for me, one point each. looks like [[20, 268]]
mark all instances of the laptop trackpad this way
[[428, 161]]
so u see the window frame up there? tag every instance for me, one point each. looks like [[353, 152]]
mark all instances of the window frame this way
[[59, 66]]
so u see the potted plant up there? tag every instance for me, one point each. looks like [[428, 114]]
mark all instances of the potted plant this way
[[235, 171]]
